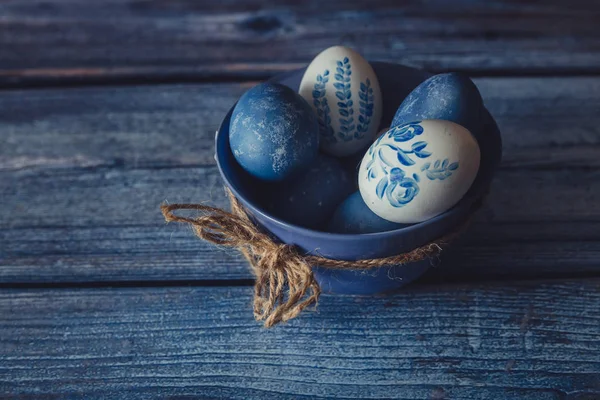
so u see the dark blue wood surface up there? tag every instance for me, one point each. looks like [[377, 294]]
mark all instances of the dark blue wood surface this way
[[534, 340], [48, 42], [100, 299]]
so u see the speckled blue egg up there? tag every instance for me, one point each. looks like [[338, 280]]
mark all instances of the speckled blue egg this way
[[353, 216], [274, 134], [311, 199], [452, 97]]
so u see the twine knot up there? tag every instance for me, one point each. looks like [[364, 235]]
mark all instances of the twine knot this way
[[285, 284]]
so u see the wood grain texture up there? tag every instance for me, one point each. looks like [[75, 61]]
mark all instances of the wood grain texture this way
[[62, 40], [105, 225], [517, 341], [82, 172], [545, 123]]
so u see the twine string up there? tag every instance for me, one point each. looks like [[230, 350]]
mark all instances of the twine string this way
[[285, 284]]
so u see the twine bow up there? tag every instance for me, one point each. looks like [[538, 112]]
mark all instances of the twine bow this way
[[278, 267]]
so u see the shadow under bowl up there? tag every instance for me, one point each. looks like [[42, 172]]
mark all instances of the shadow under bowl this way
[[396, 83]]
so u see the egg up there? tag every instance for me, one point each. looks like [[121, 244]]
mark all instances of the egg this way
[[311, 199], [344, 92], [352, 162], [452, 97], [418, 170], [381, 132], [353, 216], [273, 134]]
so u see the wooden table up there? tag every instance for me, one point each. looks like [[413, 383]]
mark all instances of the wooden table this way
[[109, 108]]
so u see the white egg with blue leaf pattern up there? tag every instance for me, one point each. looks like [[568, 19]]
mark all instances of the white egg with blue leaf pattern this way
[[416, 171], [344, 92]]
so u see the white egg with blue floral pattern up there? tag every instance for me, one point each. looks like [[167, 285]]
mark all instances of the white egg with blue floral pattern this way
[[343, 90], [419, 170]]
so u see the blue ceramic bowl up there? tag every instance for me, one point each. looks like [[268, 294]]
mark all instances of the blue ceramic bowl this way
[[396, 83]]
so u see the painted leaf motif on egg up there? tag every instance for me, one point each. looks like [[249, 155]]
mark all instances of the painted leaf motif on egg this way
[[344, 92]]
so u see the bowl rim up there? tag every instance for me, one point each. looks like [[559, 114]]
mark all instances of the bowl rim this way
[[470, 198]]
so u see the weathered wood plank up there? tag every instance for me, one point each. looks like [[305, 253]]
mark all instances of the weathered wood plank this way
[[545, 122], [42, 41], [130, 197], [104, 224], [82, 172], [518, 340], [146, 126]]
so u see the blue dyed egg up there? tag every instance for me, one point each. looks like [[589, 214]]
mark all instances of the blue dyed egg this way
[[311, 199], [451, 97], [353, 216], [274, 134]]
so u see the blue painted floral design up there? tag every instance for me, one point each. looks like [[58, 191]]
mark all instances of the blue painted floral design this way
[[349, 129], [398, 188], [322, 107], [404, 133], [393, 184], [440, 170], [343, 93], [366, 109]]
